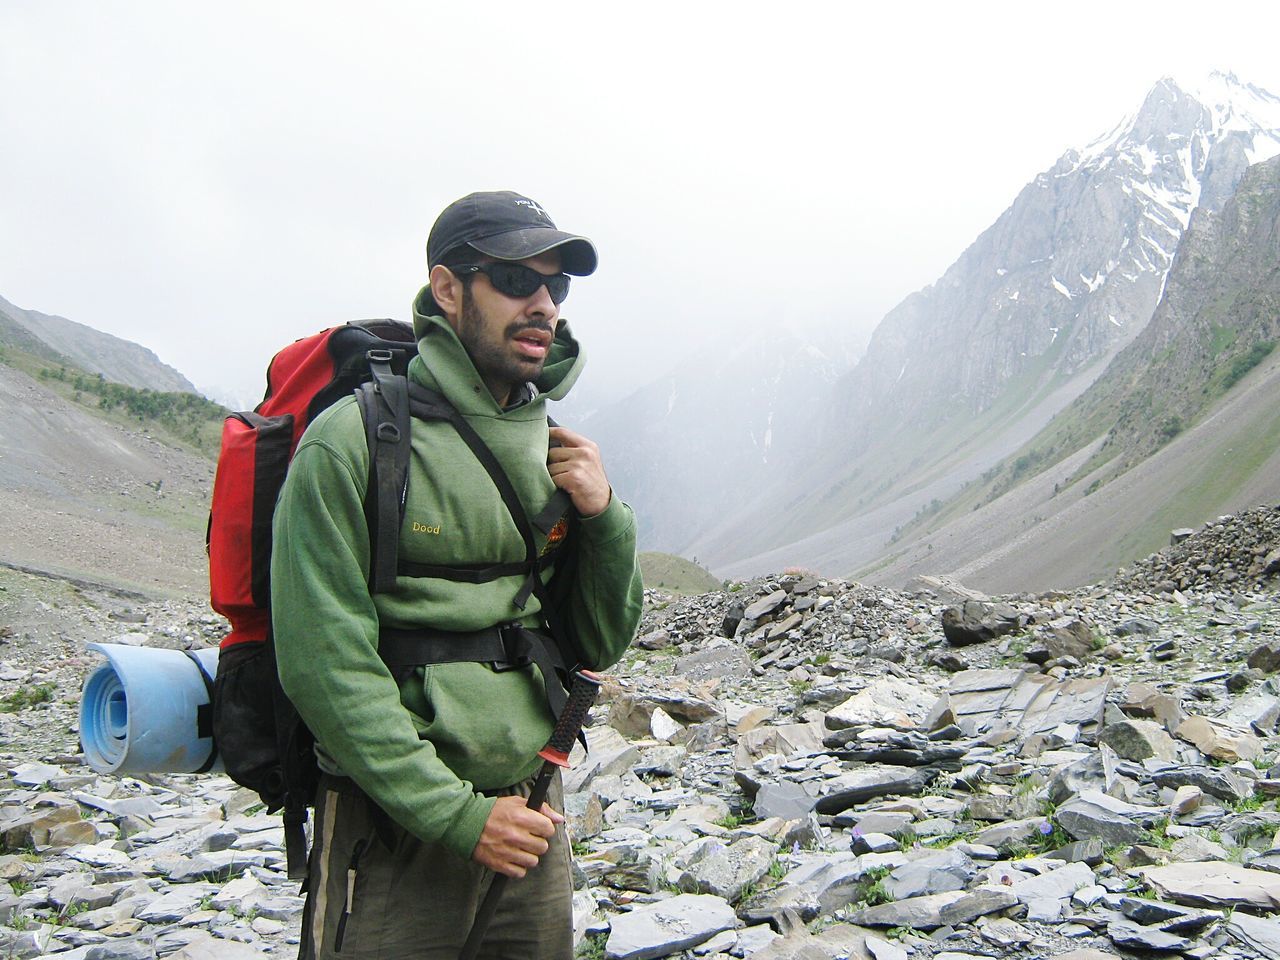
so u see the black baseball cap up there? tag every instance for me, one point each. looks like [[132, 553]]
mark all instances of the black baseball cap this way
[[507, 226]]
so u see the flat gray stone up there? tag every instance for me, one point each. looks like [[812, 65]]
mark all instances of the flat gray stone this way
[[208, 947], [765, 605], [1011, 833], [1260, 933], [1134, 936], [1057, 884], [668, 926], [176, 903], [873, 780], [923, 913], [1139, 740], [1029, 703], [611, 753], [884, 950], [727, 870], [1167, 916], [886, 702], [1089, 816], [786, 799], [942, 872], [1215, 884], [36, 774], [135, 948], [1220, 782], [975, 904]]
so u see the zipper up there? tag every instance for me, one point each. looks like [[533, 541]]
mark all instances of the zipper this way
[[349, 904]]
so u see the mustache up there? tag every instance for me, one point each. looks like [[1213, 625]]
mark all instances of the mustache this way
[[519, 327]]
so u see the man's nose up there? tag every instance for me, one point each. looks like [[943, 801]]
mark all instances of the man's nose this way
[[540, 303]]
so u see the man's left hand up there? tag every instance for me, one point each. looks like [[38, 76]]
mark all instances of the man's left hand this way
[[576, 468]]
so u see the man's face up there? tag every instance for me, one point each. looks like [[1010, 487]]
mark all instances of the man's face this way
[[508, 338]]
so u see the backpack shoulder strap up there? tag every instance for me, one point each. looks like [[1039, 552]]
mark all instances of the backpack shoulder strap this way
[[384, 405], [428, 404]]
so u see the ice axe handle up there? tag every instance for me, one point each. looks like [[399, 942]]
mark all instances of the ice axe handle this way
[[582, 693]]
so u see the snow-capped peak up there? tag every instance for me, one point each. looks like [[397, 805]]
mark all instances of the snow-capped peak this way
[[1232, 107], [1237, 106]]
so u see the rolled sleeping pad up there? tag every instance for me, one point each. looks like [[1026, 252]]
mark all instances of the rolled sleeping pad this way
[[141, 711]]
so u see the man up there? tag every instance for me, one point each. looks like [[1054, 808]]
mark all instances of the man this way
[[426, 769]]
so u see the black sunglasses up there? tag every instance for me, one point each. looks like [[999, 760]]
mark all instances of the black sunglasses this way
[[517, 280]]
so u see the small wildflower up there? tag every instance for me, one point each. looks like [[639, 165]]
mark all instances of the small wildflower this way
[[1046, 828]]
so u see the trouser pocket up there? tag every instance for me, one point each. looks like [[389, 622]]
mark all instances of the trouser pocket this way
[[348, 892], [349, 901]]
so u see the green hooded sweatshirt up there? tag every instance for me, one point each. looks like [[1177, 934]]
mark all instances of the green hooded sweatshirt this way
[[424, 749]]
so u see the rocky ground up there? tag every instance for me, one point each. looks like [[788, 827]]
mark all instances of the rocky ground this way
[[791, 768]]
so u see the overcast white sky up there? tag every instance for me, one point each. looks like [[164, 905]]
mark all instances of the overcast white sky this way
[[212, 181]]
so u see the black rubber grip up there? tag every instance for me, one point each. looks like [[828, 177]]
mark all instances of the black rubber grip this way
[[582, 694]]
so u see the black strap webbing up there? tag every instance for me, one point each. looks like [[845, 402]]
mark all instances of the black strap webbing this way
[[558, 507], [497, 571], [294, 816], [384, 403], [204, 716], [507, 647], [424, 403]]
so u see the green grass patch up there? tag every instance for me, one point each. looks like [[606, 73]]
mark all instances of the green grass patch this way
[[1221, 339], [1245, 362], [665, 571], [871, 891], [25, 697]]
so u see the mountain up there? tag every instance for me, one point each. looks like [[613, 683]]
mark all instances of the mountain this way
[[119, 361], [1183, 426], [716, 430], [965, 372]]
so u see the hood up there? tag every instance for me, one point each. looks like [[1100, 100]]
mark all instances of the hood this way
[[444, 358]]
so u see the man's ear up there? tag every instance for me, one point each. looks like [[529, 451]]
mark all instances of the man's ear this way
[[446, 289]]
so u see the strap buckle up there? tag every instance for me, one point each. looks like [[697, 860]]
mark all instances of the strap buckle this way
[[517, 646]]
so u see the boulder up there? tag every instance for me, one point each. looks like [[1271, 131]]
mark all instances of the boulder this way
[[887, 702], [976, 621], [1139, 740], [1216, 739]]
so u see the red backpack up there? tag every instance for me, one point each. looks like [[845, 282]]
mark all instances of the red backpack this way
[[257, 733]]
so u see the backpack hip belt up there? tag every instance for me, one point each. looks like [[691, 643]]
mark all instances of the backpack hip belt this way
[[507, 646]]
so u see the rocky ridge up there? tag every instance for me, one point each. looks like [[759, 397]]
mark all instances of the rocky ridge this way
[[794, 767]]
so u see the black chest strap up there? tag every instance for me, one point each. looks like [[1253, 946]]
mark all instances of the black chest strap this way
[[429, 405]]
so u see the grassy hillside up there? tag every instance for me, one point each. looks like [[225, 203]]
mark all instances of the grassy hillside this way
[[1065, 527], [663, 571], [184, 419]]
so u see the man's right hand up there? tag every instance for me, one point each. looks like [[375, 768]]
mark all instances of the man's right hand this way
[[514, 836]]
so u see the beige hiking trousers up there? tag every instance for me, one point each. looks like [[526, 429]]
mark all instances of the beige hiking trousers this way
[[378, 893]]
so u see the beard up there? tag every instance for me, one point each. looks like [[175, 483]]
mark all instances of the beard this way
[[490, 350]]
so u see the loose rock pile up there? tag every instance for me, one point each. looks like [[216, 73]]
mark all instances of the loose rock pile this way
[[800, 768], [1243, 549]]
